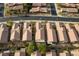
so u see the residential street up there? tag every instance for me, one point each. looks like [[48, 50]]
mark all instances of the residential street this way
[[51, 18]]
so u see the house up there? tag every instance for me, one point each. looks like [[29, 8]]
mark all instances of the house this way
[[64, 53], [72, 5], [58, 25], [61, 33], [38, 25], [15, 32], [76, 27], [12, 4], [36, 4], [35, 9], [25, 25], [40, 33], [0, 53], [4, 33], [17, 53], [39, 4], [6, 53], [15, 6], [36, 53], [22, 52], [75, 52], [44, 9], [14, 9], [19, 7], [27, 35], [73, 36], [27, 32], [51, 34], [70, 10], [15, 26], [67, 5], [51, 53], [39, 9], [67, 26], [71, 33], [77, 4], [15, 35]]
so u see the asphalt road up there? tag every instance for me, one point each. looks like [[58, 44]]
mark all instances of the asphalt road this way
[[53, 10], [54, 17], [51, 18]]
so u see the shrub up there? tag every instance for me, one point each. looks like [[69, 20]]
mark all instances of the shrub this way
[[9, 23], [30, 48], [42, 48]]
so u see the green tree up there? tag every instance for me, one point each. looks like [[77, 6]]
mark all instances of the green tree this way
[[42, 48], [9, 23], [12, 47], [27, 7], [30, 48]]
